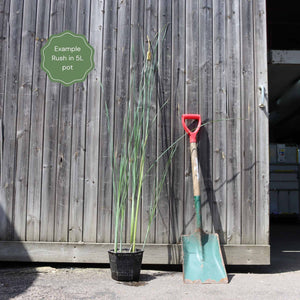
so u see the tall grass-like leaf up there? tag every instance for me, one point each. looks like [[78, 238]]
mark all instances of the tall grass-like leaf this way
[[129, 161]]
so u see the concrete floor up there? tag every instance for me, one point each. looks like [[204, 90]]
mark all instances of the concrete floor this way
[[281, 280]]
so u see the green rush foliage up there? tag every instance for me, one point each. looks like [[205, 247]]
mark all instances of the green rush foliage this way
[[129, 161]]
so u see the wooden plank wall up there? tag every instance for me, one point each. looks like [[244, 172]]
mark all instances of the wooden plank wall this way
[[56, 180]]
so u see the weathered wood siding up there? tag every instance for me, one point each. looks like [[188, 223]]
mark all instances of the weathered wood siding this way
[[56, 180]]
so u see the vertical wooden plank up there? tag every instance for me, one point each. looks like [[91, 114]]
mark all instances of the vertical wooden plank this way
[[108, 97], [248, 124], [262, 132], [220, 113], [150, 30], [23, 117], [50, 137], [178, 108], [92, 125], [64, 142], [192, 103], [4, 33], [206, 111], [233, 76], [9, 119], [78, 139], [137, 41], [164, 118], [36, 129], [4, 19], [122, 84]]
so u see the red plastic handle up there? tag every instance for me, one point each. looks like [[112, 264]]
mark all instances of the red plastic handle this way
[[192, 134]]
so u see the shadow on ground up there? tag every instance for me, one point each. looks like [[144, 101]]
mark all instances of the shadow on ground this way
[[15, 278]]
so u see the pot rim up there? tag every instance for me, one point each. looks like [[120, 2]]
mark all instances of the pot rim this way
[[125, 251]]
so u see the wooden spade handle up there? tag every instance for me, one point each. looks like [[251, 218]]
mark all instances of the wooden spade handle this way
[[195, 169], [196, 185]]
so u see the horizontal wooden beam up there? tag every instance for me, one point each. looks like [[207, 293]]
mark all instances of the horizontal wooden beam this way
[[287, 57], [97, 253]]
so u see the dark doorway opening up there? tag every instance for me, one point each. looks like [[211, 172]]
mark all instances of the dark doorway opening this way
[[283, 25]]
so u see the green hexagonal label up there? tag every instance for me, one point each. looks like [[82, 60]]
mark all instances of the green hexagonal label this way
[[67, 58]]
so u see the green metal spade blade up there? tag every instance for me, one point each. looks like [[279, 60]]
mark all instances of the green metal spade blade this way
[[202, 259]]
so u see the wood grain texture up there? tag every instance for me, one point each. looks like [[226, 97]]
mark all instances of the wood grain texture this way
[[163, 118], [7, 199], [36, 127], [55, 145], [50, 141], [248, 124], [91, 204], [64, 142], [107, 117], [4, 19], [262, 132], [233, 87], [177, 109], [206, 111], [76, 211], [4, 33], [97, 253], [220, 115], [24, 117]]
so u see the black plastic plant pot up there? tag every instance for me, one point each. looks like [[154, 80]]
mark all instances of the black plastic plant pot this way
[[125, 266]]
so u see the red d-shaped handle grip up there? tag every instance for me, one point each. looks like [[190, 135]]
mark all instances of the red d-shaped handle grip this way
[[192, 134]]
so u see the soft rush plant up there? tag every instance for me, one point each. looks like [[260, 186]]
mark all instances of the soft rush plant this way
[[129, 161]]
